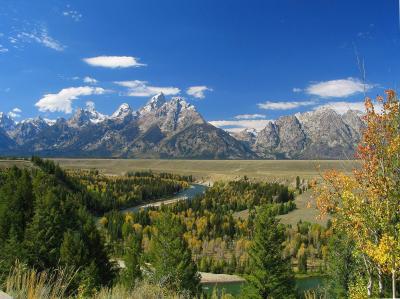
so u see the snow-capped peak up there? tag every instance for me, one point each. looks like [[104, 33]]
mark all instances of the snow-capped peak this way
[[123, 111], [86, 116], [50, 122], [155, 102], [182, 102], [33, 120], [93, 115]]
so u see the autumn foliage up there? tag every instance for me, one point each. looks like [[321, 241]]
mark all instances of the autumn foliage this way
[[366, 205]]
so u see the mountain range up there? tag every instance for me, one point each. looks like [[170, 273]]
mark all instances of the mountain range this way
[[174, 129]]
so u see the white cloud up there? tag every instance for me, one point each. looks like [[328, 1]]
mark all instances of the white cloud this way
[[250, 116], [338, 88], [114, 61], [269, 105], [239, 125], [90, 80], [73, 14], [39, 35], [198, 91], [3, 49], [296, 89], [137, 88], [62, 101], [15, 113]]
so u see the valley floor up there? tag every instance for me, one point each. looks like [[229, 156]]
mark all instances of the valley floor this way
[[284, 171]]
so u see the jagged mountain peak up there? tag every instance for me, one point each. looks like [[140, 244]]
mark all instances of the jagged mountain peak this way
[[180, 101], [85, 116], [154, 103], [170, 116], [123, 111], [6, 122], [36, 121], [50, 122]]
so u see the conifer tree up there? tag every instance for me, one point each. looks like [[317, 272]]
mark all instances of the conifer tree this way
[[171, 258], [132, 261], [271, 274]]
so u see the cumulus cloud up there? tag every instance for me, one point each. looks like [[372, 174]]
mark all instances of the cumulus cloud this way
[[90, 80], [137, 88], [296, 89], [39, 35], [250, 116], [240, 125], [62, 101], [338, 88], [198, 91], [274, 105], [15, 113], [114, 61]]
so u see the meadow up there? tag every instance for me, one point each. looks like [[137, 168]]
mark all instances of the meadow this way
[[284, 171]]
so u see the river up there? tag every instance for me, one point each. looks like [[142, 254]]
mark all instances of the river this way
[[187, 194]]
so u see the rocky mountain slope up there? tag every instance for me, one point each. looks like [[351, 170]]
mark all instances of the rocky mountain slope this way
[[174, 129], [320, 134]]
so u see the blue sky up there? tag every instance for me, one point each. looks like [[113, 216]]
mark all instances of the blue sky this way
[[246, 61]]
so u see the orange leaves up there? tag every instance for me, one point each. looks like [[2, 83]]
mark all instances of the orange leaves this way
[[366, 205]]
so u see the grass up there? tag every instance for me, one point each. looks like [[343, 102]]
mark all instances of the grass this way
[[214, 170], [24, 283], [11, 163], [306, 210]]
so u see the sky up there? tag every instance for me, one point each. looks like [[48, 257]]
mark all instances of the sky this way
[[241, 63]]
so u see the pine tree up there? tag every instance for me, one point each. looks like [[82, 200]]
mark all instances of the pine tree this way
[[271, 274], [45, 233], [132, 261], [171, 258], [72, 251]]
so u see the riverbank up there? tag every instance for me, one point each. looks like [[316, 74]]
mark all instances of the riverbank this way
[[208, 278], [187, 194]]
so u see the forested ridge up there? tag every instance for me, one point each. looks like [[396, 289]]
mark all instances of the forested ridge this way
[[44, 225], [47, 222], [117, 192]]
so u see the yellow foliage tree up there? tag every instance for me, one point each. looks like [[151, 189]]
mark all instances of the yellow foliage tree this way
[[367, 205]]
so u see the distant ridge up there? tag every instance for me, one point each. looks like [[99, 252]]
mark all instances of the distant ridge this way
[[174, 129]]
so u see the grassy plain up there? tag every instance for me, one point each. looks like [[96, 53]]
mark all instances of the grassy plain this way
[[10, 163], [214, 170], [306, 210]]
